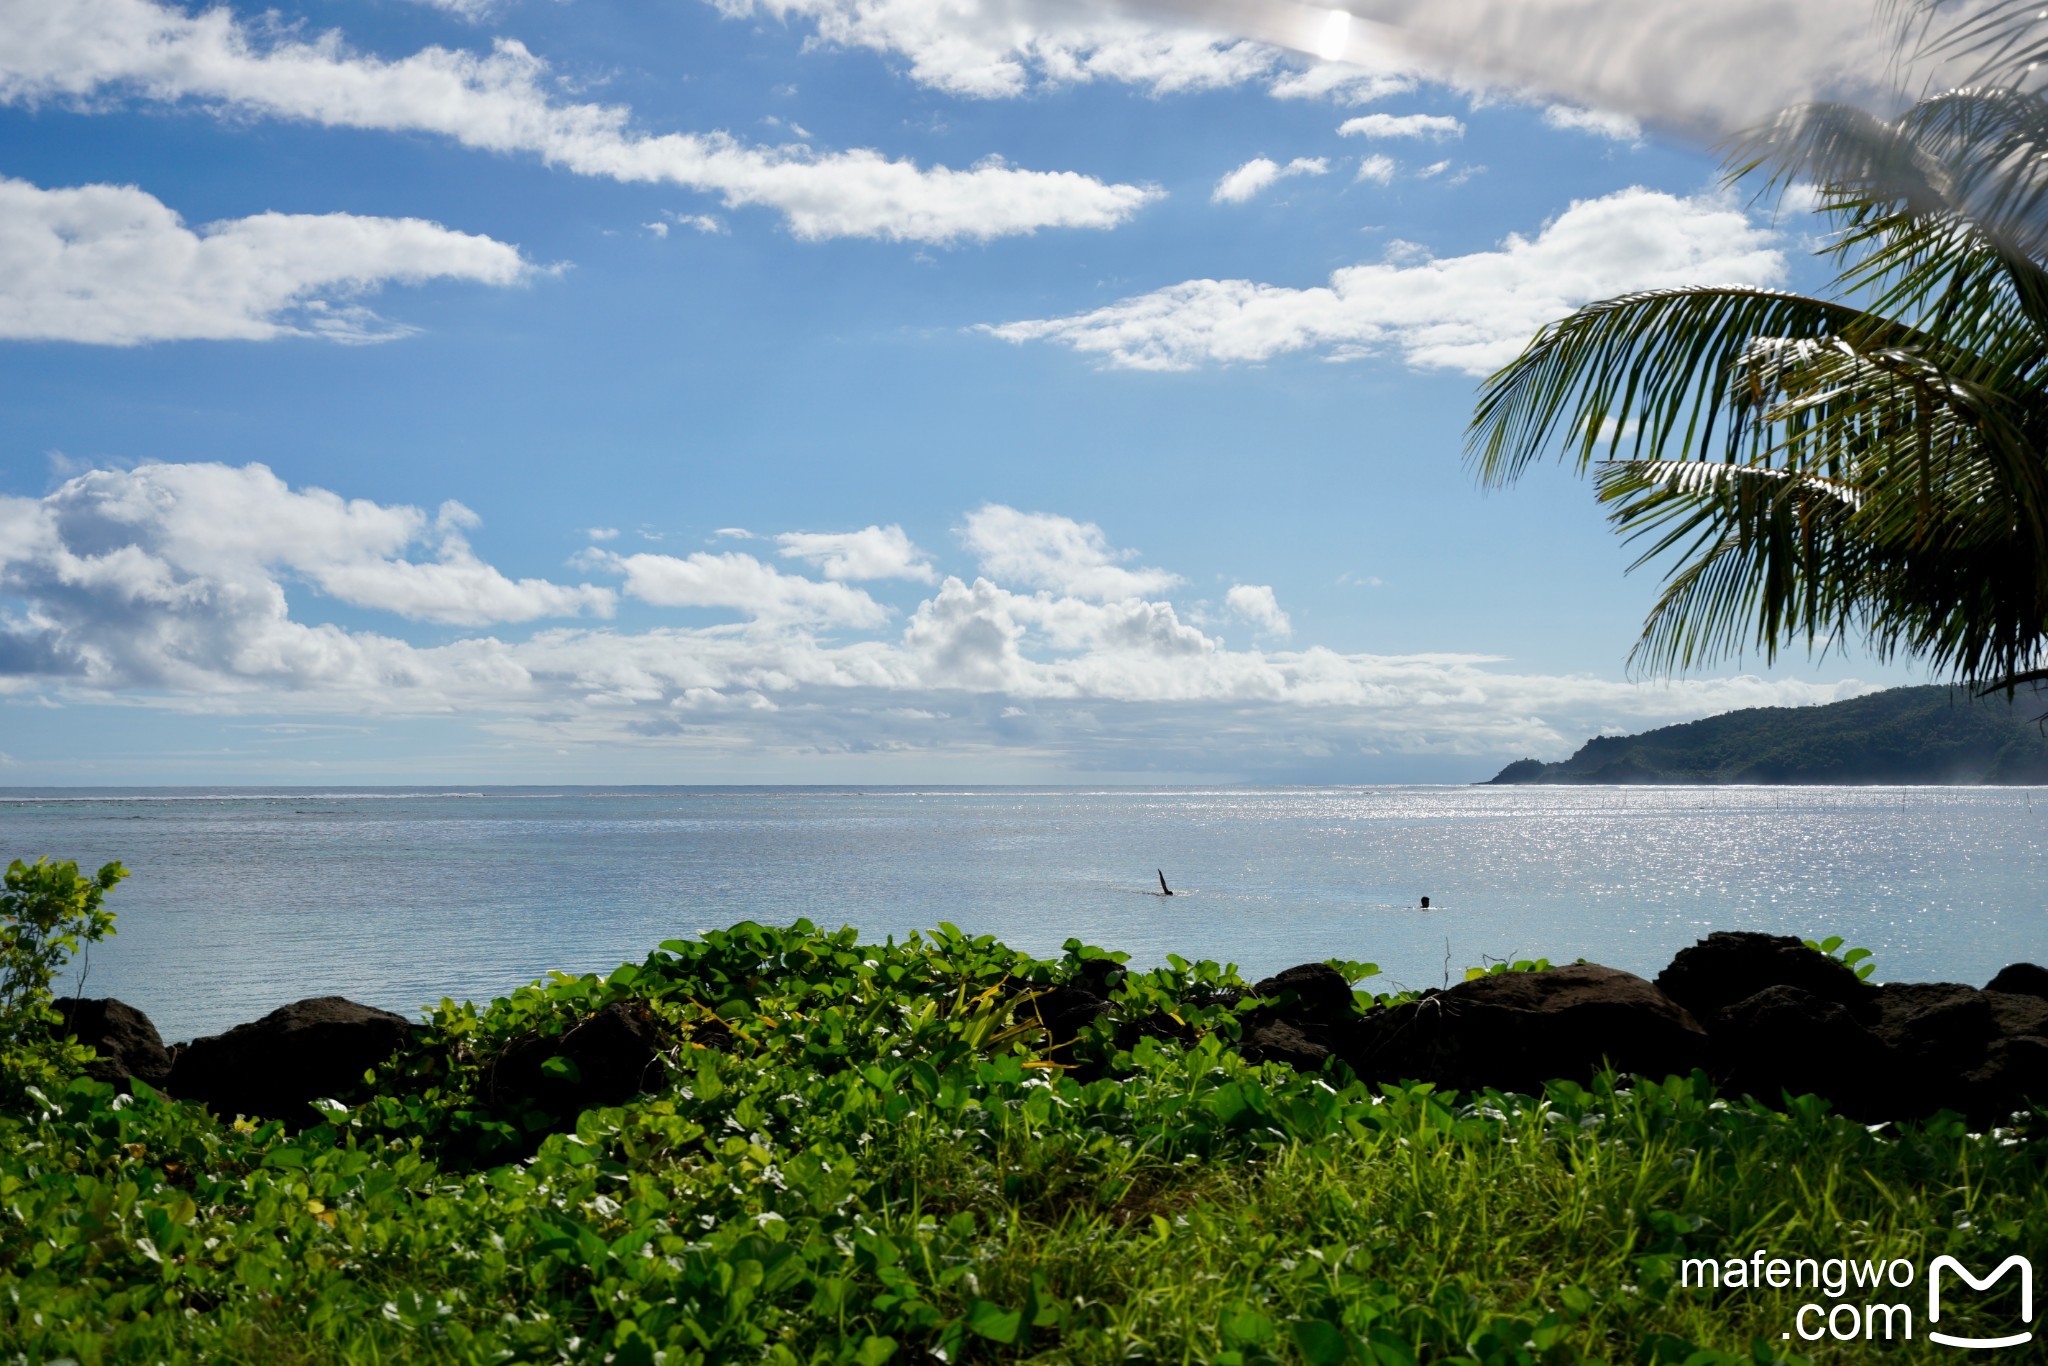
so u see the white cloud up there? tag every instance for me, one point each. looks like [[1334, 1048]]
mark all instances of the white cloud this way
[[875, 552], [1433, 170], [1600, 122], [177, 576], [1257, 604], [1471, 313], [1045, 550], [172, 586], [1378, 169], [1713, 68], [739, 583], [999, 48], [1434, 127], [97, 50], [476, 11], [111, 264], [656, 228], [603, 533], [1247, 181], [702, 222]]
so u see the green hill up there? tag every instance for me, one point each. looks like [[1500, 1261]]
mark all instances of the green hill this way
[[1906, 735]]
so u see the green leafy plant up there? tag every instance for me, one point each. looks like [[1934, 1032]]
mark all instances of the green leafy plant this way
[[1858, 959], [48, 912]]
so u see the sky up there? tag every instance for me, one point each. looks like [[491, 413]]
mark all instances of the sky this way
[[838, 391]]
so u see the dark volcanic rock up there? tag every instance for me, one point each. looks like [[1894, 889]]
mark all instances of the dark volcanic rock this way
[[610, 1057], [2014, 1015], [273, 1067], [126, 1042], [2021, 979], [1283, 1041], [1787, 1040], [1731, 966], [2014, 1072], [1518, 1030], [1314, 991], [1944, 1024], [1064, 1011]]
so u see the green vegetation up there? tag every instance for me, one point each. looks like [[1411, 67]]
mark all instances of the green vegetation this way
[[48, 912], [1814, 469], [1905, 735], [868, 1153]]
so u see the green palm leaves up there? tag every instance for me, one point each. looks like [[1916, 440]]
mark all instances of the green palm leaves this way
[[1811, 468]]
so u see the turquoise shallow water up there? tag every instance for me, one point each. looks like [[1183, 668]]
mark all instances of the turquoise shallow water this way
[[244, 899]]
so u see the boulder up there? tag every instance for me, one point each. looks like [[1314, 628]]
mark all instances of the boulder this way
[[1314, 991], [1283, 1041], [271, 1068], [604, 1059], [2021, 979], [126, 1043], [1064, 1011], [2016, 1015], [1785, 1040], [1517, 1030], [1729, 966], [1945, 1024], [2013, 1074]]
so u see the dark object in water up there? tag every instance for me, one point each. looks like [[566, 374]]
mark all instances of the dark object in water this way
[[1164, 890], [1425, 903]]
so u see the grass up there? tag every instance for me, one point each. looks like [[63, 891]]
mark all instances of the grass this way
[[884, 1164]]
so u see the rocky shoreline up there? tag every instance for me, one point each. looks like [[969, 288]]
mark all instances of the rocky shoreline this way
[[1764, 1015]]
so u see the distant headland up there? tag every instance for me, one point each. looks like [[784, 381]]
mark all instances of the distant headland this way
[[1901, 736]]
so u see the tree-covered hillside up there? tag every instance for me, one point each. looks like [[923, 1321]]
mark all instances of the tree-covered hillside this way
[[1906, 735]]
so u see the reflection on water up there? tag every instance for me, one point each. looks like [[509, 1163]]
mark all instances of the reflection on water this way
[[242, 900]]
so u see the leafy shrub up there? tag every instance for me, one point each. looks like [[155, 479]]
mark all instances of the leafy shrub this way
[[48, 912]]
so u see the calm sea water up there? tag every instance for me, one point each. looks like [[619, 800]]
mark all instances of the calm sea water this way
[[242, 900]]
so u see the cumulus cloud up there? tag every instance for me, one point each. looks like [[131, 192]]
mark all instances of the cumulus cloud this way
[[1710, 68], [476, 11], [175, 586], [1256, 604], [1045, 550], [994, 49], [111, 264], [177, 576], [874, 552], [98, 50], [739, 583], [1434, 127], [1250, 180], [1599, 122], [1377, 169], [1471, 313]]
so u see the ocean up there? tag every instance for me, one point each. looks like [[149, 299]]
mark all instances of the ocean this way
[[243, 899]]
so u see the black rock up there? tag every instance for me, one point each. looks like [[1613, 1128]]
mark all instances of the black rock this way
[[607, 1059], [1945, 1024], [1785, 1040], [271, 1068], [1283, 1041], [1517, 1030], [1730, 966], [2021, 979], [1314, 991], [2014, 1074], [1064, 1011], [2015, 1016], [126, 1042]]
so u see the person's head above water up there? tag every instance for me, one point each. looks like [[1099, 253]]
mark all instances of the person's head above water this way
[[1425, 903]]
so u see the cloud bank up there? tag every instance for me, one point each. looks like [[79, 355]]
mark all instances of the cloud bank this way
[[199, 587], [93, 52], [111, 264], [1472, 313]]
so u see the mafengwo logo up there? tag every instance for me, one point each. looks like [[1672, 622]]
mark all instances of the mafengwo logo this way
[[2012, 1263], [1871, 1315]]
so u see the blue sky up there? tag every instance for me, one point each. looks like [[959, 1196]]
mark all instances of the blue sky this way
[[814, 391]]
